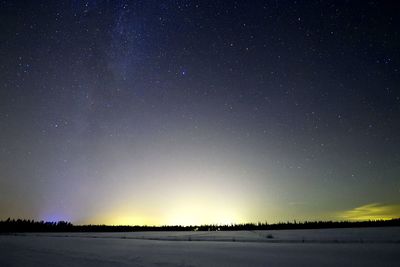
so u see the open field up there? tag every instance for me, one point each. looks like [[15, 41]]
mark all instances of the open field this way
[[325, 247]]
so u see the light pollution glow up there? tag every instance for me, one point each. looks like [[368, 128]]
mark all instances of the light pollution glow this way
[[191, 212], [189, 183], [165, 185], [373, 211]]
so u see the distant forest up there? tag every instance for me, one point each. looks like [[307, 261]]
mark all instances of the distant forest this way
[[15, 226]]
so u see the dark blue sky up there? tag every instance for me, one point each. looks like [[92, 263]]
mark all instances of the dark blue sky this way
[[153, 111]]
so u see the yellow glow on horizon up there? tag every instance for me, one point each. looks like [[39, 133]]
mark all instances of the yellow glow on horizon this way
[[180, 216], [188, 184], [129, 220], [373, 211], [182, 211], [193, 214], [121, 218]]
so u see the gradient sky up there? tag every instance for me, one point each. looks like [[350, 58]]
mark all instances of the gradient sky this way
[[191, 112]]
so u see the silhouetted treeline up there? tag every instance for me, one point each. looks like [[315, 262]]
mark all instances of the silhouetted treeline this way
[[13, 226], [34, 226]]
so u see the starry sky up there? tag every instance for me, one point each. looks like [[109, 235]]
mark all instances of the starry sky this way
[[192, 112]]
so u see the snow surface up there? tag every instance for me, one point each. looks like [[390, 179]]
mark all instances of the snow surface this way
[[326, 247]]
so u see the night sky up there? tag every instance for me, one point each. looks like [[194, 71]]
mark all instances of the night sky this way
[[191, 112]]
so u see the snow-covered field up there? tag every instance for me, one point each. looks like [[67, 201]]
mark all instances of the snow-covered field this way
[[327, 247]]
